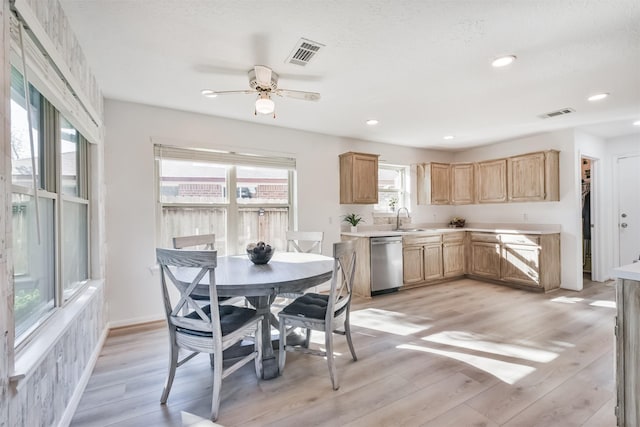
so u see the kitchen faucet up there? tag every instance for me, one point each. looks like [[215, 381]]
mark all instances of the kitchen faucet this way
[[398, 217]]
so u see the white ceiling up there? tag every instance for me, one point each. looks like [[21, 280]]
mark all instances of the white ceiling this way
[[421, 67]]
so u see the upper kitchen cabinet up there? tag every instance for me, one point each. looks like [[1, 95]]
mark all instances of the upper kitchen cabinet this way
[[462, 184], [534, 177], [433, 184], [491, 181], [358, 178]]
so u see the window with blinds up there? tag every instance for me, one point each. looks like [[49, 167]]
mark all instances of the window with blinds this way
[[241, 198]]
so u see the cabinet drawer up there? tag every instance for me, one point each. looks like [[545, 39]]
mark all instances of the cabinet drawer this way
[[421, 240], [520, 239], [485, 237], [453, 237]]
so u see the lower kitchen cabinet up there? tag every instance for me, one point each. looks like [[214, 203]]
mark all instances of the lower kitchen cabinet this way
[[528, 260], [412, 264], [453, 254], [485, 259], [433, 262]]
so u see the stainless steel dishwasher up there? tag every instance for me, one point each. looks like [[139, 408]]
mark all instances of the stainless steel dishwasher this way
[[386, 264]]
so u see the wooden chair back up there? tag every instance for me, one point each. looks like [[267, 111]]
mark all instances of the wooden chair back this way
[[186, 312], [305, 241], [344, 267], [208, 241]]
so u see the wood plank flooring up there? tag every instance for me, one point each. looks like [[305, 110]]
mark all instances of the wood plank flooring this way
[[464, 353]]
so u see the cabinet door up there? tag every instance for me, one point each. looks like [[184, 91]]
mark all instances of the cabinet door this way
[[358, 178], [433, 183], [485, 259], [521, 264], [491, 181], [462, 184], [453, 259], [526, 178], [412, 264], [432, 262]]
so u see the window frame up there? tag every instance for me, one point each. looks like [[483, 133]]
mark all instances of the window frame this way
[[402, 192], [49, 143], [231, 161]]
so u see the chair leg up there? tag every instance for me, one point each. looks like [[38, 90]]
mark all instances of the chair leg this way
[[258, 349], [282, 347], [217, 385], [307, 339], [332, 367], [347, 332], [173, 363]]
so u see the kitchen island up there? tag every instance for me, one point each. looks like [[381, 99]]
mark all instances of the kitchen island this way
[[525, 256], [627, 332]]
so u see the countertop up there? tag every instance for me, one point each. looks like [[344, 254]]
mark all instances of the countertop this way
[[488, 228], [630, 272]]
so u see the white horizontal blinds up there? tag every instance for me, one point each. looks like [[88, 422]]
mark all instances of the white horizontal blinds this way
[[223, 157]]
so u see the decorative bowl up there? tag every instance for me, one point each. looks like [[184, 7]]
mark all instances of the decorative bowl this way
[[259, 253]]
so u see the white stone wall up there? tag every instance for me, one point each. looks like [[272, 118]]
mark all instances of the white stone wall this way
[[43, 396]]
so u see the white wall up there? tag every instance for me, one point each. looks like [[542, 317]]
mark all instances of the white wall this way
[[566, 212], [132, 285]]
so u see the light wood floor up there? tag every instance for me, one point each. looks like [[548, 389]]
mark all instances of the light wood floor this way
[[464, 353]]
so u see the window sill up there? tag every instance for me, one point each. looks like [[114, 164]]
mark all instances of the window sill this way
[[29, 357]]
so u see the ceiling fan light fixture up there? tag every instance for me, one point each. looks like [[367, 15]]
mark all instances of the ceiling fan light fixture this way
[[264, 104]]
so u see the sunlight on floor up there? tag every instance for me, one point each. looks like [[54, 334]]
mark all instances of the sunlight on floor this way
[[388, 321], [602, 303], [567, 300], [507, 372], [478, 342]]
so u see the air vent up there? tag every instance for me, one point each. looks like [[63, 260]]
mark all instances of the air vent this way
[[557, 113], [304, 51]]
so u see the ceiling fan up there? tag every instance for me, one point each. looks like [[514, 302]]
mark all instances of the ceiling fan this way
[[264, 81]]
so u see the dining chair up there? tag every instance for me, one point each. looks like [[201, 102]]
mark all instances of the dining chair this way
[[328, 313], [306, 242], [210, 329]]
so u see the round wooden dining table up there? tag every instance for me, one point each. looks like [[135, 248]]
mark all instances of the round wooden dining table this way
[[286, 272]]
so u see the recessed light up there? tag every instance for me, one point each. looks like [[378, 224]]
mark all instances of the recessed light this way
[[598, 97], [208, 93], [448, 137], [372, 122], [503, 61], [636, 123]]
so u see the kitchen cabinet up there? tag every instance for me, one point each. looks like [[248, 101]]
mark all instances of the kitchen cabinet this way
[[534, 177], [434, 257], [462, 190], [433, 183], [453, 254], [627, 345], [412, 264], [491, 181], [358, 178], [532, 261], [485, 255]]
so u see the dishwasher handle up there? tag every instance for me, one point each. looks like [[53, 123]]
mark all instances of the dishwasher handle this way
[[386, 242]]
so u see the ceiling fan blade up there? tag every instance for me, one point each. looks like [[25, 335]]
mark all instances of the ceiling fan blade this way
[[263, 75], [298, 94], [213, 93]]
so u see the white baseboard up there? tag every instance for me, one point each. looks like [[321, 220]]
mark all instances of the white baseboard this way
[[136, 321], [70, 410]]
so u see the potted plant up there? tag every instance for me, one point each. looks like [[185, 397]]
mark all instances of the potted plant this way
[[354, 220], [393, 202]]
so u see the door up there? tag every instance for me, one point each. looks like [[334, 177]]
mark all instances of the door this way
[[412, 264], [432, 262], [629, 208]]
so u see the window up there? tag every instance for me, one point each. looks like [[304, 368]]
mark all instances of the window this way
[[239, 198], [46, 272], [393, 188]]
